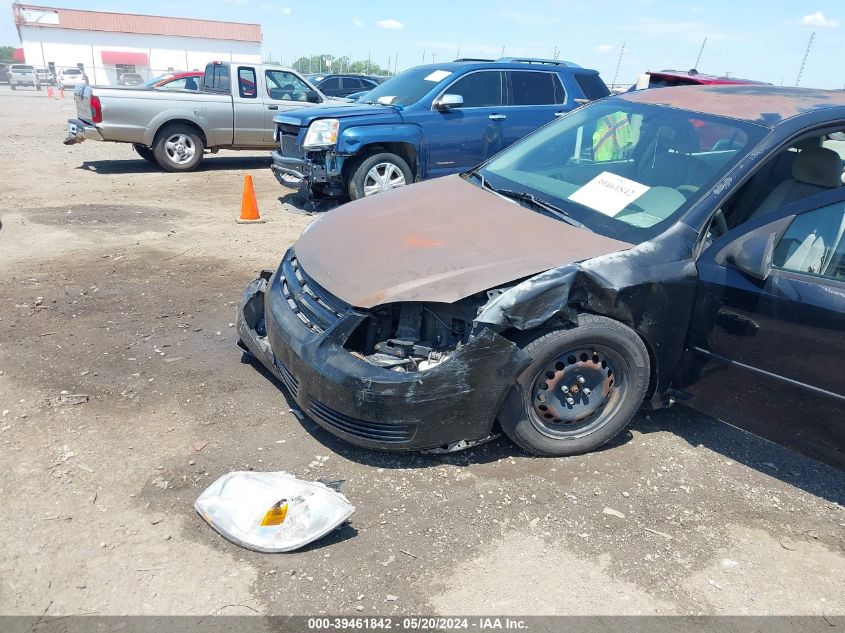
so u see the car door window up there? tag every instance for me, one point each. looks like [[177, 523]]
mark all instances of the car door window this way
[[814, 244], [531, 87], [247, 88], [479, 89], [592, 86], [332, 83], [285, 86]]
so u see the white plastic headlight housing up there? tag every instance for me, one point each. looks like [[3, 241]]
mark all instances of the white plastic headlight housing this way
[[321, 133], [271, 512]]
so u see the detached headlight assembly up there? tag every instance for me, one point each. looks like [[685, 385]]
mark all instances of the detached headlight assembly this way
[[321, 133], [271, 512]]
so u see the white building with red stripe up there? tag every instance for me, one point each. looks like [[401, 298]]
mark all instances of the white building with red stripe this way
[[106, 45]]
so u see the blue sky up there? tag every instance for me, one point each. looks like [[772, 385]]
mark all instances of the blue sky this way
[[759, 39]]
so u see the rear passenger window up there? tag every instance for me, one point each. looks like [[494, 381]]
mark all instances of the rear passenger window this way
[[814, 244], [333, 83], [247, 87], [479, 89], [532, 87], [592, 86]]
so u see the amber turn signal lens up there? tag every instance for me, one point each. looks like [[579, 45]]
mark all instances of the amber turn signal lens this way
[[276, 515]]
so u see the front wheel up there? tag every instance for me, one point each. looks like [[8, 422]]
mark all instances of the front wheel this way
[[378, 173], [144, 152], [582, 388], [178, 148], [12, 86]]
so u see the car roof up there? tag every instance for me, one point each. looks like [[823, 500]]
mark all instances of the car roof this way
[[767, 105], [693, 76], [521, 63]]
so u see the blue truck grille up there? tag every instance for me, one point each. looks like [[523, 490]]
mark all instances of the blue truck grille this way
[[315, 306], [392, 433]]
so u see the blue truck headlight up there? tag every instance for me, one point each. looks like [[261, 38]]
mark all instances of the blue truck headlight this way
[[321, 133]]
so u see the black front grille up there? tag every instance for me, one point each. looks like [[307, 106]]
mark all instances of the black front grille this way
[[288, 378], [315, 307], [287, 140], [289, 146], [390, 433]]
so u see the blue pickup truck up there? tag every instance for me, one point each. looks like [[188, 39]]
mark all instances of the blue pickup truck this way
[[429, 121]]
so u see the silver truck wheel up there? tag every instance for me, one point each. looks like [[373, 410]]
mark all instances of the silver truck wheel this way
[[178, 148]]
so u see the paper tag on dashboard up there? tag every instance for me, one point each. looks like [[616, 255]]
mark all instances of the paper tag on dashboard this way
[[608, 193], [437, 75]]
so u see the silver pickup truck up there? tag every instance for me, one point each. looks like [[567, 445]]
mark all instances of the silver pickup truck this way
[[233, 109]]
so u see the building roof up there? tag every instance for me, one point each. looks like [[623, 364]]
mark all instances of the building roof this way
[[768, 105], [75, 19]]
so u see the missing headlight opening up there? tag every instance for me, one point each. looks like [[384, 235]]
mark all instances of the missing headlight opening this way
[[417, 336]]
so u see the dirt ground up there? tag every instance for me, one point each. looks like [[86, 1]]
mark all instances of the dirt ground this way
[[120, 282]]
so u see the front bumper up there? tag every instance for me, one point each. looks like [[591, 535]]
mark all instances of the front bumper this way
[[78, 131], [296, 173], [368, 405]]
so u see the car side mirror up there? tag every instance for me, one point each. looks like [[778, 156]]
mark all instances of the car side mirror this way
[[752, 256], [447, 102], [312, 96]]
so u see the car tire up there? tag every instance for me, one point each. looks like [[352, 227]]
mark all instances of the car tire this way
[[549, 412], [12, 86], [145, 152], [377, 173], [38, 87], [178, 148]]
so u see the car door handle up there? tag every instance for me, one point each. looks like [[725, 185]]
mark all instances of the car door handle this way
[[561, 113], [272, 107], [497, 117]]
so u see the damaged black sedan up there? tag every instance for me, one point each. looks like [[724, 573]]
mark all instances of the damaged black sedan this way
[[686, 244]]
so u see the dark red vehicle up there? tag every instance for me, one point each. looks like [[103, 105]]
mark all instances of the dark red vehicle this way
[[666, 78], [189, 80]]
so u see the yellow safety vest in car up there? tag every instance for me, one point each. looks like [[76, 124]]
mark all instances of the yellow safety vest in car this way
[[612, 137]]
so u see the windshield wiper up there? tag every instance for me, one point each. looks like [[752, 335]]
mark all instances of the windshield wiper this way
[[538, 203]]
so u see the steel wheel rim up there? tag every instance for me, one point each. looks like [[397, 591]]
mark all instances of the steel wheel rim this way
[[383, 177], [576, 391], [180, 148]]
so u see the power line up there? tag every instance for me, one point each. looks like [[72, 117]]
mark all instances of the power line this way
[[618, 64], [700, 51], [804, 61]]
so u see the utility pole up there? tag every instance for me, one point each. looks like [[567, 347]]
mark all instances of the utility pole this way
[[618, 65], [423, 59], [503, 51], [369, 54], [434, 58], [459, 52], [396, 63], [700, 51], [804, 61]]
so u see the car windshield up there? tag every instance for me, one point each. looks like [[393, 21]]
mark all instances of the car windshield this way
[[72, 71], [23, 68], [407, 88], [623, 169]]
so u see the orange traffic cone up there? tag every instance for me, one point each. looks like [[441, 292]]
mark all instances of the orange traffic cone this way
[[50, 91], [62, 92], [249, 206]]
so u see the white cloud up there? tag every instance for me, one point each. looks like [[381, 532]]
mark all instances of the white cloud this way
[[390, 23], [356, 21], [287, 10], [605, 48], [819, 19]]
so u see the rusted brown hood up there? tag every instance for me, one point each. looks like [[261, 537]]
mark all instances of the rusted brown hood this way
[[440, 240]]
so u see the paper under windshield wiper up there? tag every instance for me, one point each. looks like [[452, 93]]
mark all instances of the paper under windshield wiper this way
[[539, 203]]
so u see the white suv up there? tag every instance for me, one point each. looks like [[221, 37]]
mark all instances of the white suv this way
[[23, 75], [70, 77]]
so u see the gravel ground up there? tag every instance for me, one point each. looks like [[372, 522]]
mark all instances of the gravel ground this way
[[120, 282]]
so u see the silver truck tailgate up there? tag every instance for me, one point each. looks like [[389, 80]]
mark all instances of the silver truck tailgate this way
[[82, 99]]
